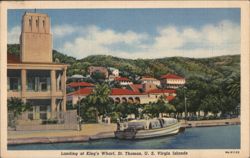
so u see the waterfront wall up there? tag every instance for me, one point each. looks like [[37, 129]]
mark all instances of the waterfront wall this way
[[56, 121]]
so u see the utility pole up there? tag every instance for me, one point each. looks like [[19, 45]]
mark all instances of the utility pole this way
[[185, 104]]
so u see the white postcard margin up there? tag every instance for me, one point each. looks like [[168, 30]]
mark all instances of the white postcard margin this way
[[245, 87]]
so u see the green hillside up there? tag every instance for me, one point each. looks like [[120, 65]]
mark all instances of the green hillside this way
[[212, 85], [204, 68]]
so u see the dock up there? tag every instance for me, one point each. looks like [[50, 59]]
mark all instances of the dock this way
[[93, 132]]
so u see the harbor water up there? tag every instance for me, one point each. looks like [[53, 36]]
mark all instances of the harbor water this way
[[220, 137]]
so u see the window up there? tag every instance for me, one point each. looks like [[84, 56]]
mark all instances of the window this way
[[36, 23], [43, 112], [43, 84], [30, 22], [31, 84], [38, 84], [14, 84], [38, 80], [43, 23]]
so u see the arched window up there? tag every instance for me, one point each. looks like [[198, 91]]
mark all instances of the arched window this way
[[43, 23]]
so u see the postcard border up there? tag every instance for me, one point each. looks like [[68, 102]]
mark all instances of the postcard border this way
[[245, 95]]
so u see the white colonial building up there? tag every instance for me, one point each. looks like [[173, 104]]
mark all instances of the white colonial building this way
[[172, 81], [152, 80], [123, 81]]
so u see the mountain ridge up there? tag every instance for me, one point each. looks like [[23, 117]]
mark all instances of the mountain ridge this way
[[212, 67]]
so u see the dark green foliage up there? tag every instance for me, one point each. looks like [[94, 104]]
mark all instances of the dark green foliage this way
[[125, 109], [62, 58], [216, 67], [13, 49], [161, 106], [17, 106], [212, 83], [98, 76], [210, 95], [97, 103]]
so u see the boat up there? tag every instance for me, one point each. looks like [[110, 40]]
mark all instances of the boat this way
[[148, 128]]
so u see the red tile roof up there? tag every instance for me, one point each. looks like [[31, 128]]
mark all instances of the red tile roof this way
[[11, 58], [162, 91], [82, 84], [84, 91], [170, 98], [136, 87], [120, 91], [171, 76], [122, 79]]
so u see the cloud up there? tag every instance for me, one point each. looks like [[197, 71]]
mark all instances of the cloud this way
[[222, 38], [63, 30], [206, 41], [13, 35], [97, 41]]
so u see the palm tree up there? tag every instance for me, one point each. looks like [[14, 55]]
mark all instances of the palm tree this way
[[99, 99], [164, 106], [234, 85]]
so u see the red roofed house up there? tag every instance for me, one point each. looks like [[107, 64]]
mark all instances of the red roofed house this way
[[120, 95], [73, 86], [123, 81], [81, 84], [73, 97], [172, 81], [156, 93], [136, 87]]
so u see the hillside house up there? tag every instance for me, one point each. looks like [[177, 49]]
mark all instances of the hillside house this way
[[98, 69], [172, 81]]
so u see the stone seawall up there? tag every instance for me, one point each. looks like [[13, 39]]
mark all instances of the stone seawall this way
[[94, 132], [210, 123], [47, 140]]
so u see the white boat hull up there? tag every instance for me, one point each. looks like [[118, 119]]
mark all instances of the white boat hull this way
[[151, 133]]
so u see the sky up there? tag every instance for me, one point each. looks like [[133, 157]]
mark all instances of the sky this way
[[139, 33]]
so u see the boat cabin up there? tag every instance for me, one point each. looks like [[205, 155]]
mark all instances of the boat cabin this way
[[148, 124]]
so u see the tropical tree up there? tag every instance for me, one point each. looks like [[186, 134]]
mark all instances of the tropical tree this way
[[124, 109], [99, 100], [151, 110], [16, 107], [234, 86], [161, 106], [210, 104], [98, 76]]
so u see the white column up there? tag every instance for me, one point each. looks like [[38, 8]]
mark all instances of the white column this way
[[23, 81], [53, 82], [63, 86]]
